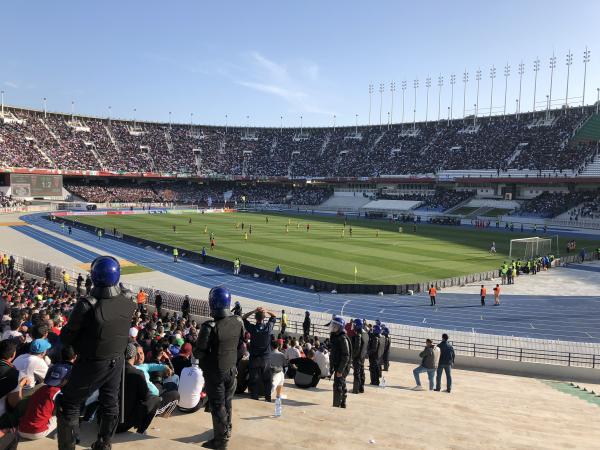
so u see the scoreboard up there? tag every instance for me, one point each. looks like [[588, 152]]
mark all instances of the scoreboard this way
[[31, 185]]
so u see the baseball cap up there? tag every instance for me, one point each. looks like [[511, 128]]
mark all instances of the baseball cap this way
[[57, 373], [133, 332], [39, 346]]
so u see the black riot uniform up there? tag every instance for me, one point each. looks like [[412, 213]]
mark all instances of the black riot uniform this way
[[339, 360], [375, 351], [385, 358], [216, 350], [360, 342], [98, 330]]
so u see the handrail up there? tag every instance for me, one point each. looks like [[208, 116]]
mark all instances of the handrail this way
[[199, 307]]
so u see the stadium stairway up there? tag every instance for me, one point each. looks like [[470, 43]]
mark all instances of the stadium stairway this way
[[593, 168], [590, 130]]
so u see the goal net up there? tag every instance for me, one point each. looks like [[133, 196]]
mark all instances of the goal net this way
[[527, 248]]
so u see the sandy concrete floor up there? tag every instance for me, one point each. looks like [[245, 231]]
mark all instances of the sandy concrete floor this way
[[484, 411]]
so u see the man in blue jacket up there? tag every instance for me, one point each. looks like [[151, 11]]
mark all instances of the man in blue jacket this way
[[445, 364]]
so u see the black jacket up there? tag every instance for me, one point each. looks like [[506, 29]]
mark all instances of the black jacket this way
[[446, 354], [360, 342], [218, 342], [374, 344], [341, 349], [306, 325]]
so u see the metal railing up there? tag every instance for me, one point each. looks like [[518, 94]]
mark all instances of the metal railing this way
[[199, 307]]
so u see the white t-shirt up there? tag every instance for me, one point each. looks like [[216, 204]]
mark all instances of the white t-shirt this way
[[30, 365], [322, 361], [292, 353], [9, 334], [191, 383]]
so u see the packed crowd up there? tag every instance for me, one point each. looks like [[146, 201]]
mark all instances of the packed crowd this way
[[6, 201], [190, 193], [524, 142], [441, 200], [551, 204], [589, 209]]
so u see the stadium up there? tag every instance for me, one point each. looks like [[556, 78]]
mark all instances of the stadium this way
[[453, 231]]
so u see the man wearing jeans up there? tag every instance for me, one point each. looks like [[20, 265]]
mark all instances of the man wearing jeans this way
[[428, 365], [446, 363]]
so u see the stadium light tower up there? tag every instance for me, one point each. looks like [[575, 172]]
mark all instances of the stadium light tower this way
[[44, 100], [334, 122], [536, 69], [506, 75], [170, 123], [403, 91], [586, 59], [448, 116], [109, 113], [370, 100], [72, 110], [492, 76], [465, 81], [474, 115], [226, 123], [381, 89], [478, 78], [521, 72], [547, 106], [2, 102], [597, 100], [356, 124], [552, 67], [427, 85], [440, 84], [416, 85], [388, 120], [301, 125], [392, 90], [452, 81], [280, 124], [192, 120], [569, 61]]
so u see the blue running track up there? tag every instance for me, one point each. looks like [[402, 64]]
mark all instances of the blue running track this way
[[543, 317]]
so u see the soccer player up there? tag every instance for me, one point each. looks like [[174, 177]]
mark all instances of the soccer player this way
[[286, 228], [350, 230], [212, 243], [205, 229], [376, 233], [250, 229], [493, 247], [246, 236], [266, 219], [190, 221], [307, 227], [174, 229], [298, 225], [343, 232]]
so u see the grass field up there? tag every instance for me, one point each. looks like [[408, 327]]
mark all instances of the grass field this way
[[380, 253]]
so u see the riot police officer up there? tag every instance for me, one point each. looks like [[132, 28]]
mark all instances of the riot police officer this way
[[375, 350], [385, 358], [339, 360], [216, 351], [360, 342], [98, 330]]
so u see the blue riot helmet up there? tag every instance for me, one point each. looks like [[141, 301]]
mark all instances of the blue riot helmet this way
[[105, 272], [385, 330], [219, 301], [337, 324], [376, 330], [378, 322], [358, 324]]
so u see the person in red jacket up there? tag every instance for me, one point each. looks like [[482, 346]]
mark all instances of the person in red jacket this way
[[39, 419]]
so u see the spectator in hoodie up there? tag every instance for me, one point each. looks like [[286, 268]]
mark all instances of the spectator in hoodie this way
[[428, 365], [445, 364]]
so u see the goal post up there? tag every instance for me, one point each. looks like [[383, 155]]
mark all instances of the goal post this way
[[527, 248]]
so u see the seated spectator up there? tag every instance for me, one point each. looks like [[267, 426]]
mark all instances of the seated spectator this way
[[308, 373], [322, 360], [141, 405], [191, 388], [168, 393], [11, 385], [292, 352], [34, 365], [182, 359], [39, 419], [14, 330]]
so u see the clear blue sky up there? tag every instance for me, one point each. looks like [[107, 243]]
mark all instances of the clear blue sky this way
[[270, 58]]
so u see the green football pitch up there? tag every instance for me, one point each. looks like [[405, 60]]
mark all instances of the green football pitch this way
[[379, 252]]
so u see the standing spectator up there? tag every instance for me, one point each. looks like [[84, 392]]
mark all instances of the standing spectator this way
[[278, 363], [39, 419], [185, 307], [237, 309], [375, 350], [88, 284], [497, 295], [66, 278], [306, 325], [445, 364], [141, 300], [79, 284], [427, 365], [158, 301], [284, 322], [48, 272], [11, 266], [261, 335]]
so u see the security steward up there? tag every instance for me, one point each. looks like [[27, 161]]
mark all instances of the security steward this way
[[216, 351], [385, 358], [360, 341], [261, 334], [339, 360], [98, 330], [375, 350]]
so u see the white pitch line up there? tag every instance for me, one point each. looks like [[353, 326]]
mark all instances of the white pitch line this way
[[532, 327], [473, 330], [589, 335], [424, 320], [381, 312]]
